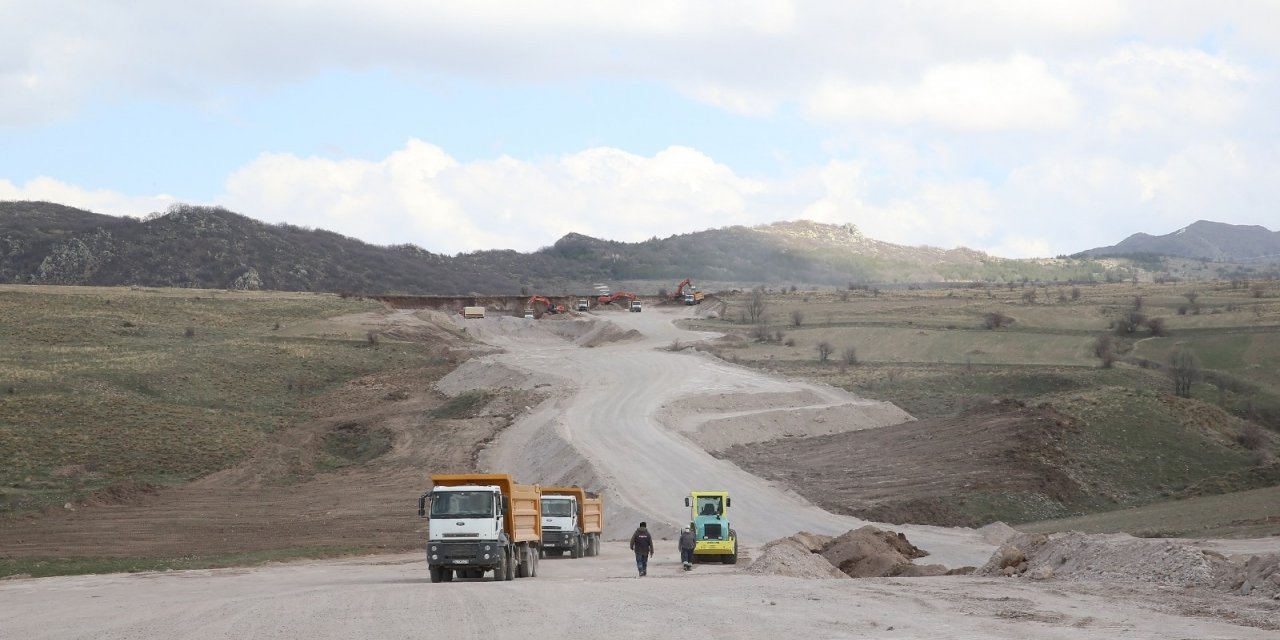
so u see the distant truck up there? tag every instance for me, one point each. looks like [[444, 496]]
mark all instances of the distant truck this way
[[636, 307], [583, 304], [716, 539], [572, 522], [693, 298], [473, 312], [481, 522]]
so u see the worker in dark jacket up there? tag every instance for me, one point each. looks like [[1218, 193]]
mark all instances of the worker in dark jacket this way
[[642, 544], [688, 540]]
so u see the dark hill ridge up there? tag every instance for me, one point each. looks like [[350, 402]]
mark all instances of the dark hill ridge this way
[[210, 247], [1202, 239]]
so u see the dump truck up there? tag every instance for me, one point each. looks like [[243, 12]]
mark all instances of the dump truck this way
[[636, 306], [473, 312], [583, 304], [572, 522], [480, 522], [709, 517]]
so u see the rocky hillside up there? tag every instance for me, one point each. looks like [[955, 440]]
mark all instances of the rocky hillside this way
[[210, 247], [1203, 239]]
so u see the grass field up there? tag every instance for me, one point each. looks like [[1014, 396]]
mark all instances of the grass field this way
[[98, 386], [928, 352]]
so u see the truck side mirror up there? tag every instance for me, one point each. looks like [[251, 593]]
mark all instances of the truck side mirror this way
[[422, 505], [686, 501], [506, 504], [728, 502]]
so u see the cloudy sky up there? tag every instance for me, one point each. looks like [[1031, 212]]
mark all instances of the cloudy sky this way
[[1019, 127]]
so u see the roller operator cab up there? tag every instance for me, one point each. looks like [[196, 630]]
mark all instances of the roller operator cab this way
[[709, 517], [480, 523]]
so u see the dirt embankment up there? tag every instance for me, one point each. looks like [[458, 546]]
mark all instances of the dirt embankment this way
[[345, 476], [911, 472]]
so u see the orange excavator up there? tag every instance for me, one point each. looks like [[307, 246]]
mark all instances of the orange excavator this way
[[621, 295], [679, 295], [551, 306], [687, 293]]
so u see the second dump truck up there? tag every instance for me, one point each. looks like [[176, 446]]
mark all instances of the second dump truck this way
[[572, 522], [481, 522]]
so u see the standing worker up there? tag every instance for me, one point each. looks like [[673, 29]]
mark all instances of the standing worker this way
[[687, 542], [642, 544]]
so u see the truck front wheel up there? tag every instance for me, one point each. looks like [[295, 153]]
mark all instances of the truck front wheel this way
[[500, 571], [437, 574]]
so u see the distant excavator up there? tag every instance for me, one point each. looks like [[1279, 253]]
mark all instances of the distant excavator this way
[[551, 306], [621, 295], [687, 296]]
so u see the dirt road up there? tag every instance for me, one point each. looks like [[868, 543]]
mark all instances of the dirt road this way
[[626, 416], [390, 597], [607, 421]]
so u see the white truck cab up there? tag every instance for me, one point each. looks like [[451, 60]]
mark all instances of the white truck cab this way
[[464, 526], [561, 530], [636, 306]]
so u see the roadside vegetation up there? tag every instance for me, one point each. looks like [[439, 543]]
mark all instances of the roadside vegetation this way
[[1171, 388]]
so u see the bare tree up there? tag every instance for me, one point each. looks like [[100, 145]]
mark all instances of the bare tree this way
[[849, 356], [760, 333], [1104, 347], [996, 320], [1157, 327], [756, 306], [824, 351], [1184, 369], [797, 317]]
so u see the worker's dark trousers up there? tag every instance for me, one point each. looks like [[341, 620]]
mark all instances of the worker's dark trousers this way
[[686, 555], [642, 562]]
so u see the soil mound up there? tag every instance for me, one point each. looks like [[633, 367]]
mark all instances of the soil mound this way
[[869, 552], [860, 553], [793, 558], [1082, 557]]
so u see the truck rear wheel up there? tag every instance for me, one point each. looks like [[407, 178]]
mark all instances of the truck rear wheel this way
[[522, 571], [576, 552]]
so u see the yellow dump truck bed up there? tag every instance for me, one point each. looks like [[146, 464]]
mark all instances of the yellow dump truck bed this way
[[523, 520]]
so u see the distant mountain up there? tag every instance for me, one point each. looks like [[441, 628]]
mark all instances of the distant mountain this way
[[210, 247], [1202, 239]]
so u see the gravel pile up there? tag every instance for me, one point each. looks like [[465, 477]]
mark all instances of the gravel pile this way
[[1123, 558]]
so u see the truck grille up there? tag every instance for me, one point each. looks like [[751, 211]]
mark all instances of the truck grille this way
[[450, 551], [712, 532]]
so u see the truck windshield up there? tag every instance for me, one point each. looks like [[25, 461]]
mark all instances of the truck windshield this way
[[557, 508], [462, 504]]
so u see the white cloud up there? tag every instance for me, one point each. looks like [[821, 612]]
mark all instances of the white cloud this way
[[423, 196], [96, 200], [1017, 93], [1146, 89]]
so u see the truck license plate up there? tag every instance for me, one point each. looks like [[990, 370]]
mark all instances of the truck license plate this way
[[459, 561]]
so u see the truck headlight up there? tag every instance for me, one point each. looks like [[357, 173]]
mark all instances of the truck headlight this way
[[435, 548], [488, 548], [435, 557], [486, 556]]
